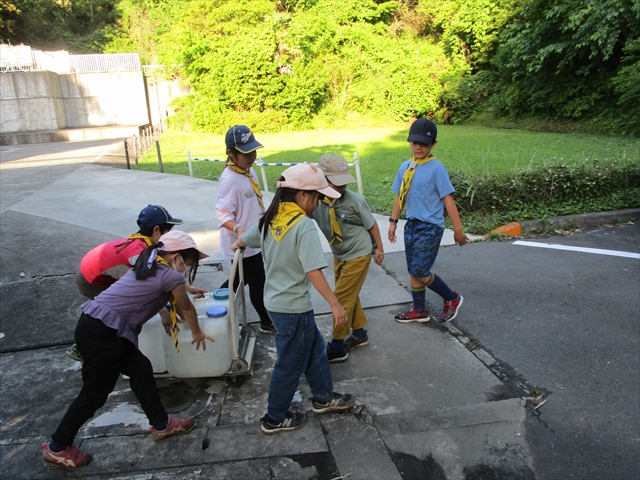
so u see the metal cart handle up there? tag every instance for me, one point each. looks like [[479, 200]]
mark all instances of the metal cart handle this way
[[236, 269]]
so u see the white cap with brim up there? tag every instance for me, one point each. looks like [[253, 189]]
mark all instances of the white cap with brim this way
[[307, 177]]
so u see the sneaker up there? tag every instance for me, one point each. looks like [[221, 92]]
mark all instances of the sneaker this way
[[355, 342], [413, 316], [335, 403], [336, 356], [74, 354], [70, 458], [451, 308], [292, 421], [175, 426], [268, 329]]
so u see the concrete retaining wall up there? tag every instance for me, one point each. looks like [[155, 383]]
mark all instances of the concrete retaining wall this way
[[35, 101]]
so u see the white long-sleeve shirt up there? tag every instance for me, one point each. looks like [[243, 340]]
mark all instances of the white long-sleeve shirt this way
[[236, 201]]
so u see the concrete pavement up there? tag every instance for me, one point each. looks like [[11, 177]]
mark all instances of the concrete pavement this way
[[426, 405]]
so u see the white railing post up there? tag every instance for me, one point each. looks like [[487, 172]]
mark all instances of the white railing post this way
[[356, 163], [264, 174], [190, 166]]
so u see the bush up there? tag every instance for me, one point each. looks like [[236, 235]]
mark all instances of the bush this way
[[556, 189], [464, 98]]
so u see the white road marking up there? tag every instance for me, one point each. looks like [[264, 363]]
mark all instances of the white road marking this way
[[598, 251]]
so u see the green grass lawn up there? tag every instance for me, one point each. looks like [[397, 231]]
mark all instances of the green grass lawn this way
[[477, 151]]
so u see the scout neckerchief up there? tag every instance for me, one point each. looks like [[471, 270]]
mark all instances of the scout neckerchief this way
[[131, 238], [172, 301], [288, 214], [408, 176], [336, 232], [254, 182]]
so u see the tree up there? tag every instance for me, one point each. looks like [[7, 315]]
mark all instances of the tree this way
[[558, 58]]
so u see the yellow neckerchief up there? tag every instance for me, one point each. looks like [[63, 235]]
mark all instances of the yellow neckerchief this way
[[172, 310], [408, 176], [336, 232], [289, 213], [254, 182], [133, 237]]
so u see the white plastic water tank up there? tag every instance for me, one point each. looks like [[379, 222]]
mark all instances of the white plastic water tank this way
[[150, 343], [212, 362], [217, 297]]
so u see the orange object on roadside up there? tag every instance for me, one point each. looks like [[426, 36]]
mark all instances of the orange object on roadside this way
[[512, 228]]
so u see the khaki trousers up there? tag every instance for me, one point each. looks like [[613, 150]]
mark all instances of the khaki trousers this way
[[349, 278]]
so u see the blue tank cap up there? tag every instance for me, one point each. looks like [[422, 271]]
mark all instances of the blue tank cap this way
[[216, 311], [221, 294]]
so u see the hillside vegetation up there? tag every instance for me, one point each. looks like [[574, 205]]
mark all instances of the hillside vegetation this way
[[278, 65]]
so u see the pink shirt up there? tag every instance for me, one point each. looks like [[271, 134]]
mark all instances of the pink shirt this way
[[236, 201]]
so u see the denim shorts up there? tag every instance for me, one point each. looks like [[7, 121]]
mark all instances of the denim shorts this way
[[421, 243]]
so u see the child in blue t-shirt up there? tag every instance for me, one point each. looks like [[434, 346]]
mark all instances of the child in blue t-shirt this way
[[422, 185]]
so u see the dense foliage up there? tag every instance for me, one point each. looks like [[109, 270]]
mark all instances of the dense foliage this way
[[80, 26], [287, 64], [564, 59]]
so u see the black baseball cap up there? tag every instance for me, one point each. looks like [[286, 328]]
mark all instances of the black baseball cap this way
[[242, 139], [153, 215], [423, 131]]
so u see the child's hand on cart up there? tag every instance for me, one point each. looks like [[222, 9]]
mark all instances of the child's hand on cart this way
[[238, 244], [198, 292]]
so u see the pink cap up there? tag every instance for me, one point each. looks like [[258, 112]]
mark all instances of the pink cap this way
[[307, 177], [176, 240]]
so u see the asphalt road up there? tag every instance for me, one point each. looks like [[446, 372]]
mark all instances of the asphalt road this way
[[565, 324]]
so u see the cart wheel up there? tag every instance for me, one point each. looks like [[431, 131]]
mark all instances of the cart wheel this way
[[236, 380]]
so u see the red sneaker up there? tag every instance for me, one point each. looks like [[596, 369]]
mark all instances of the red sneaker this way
[[70, 458], [175, 426], [413, 316], [451, 308]]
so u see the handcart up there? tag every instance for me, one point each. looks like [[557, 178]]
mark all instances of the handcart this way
[[243, 335], [230, 356]]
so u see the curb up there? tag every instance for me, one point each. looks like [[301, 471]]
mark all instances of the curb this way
[[568, 222]]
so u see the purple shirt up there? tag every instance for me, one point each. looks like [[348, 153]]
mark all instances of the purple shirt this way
[[127, 304]]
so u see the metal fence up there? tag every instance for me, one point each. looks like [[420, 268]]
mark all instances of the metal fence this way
[[109, 62], [22, 59], [138, 145], [15, 59], [153, 69], [260, 163]]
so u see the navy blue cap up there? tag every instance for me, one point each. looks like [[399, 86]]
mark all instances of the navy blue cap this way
[[242, 139], [153, 215], [423, 131]]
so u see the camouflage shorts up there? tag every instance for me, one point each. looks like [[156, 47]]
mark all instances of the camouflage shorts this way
[[421, 243]]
